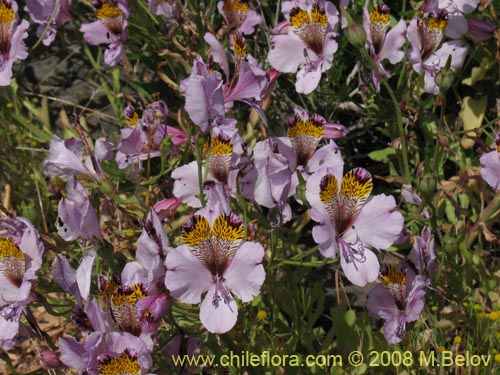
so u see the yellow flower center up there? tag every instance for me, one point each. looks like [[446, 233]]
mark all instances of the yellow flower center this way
[[329, 190], [122, 365], [107, 10], [307, 128], [132, 121], [378, 17], [392, 276], [353, 186], [6, 13], [221, 146], [9, 250], [299, 17], [439, 23], [240, 48], [199, 232]]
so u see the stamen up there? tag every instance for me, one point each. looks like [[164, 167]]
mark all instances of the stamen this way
[[221, 293]]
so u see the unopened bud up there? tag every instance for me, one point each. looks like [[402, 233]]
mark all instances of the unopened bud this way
[[444, 79], [356, 35], [49, 360]]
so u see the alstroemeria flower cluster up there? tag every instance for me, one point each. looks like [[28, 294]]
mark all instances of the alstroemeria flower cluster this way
[[216, 260], [20, 258], [305, 42], [110, 28], [12, 37], [349, 223]]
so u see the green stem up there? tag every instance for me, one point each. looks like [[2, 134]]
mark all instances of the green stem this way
[[402, 134], [491, 210], [397, 110], [318, 263]]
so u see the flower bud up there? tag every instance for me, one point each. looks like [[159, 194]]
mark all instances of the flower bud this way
[[356, 35], [49, 360], [444, 79]]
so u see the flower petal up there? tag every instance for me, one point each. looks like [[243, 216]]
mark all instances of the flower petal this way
[[245, 275], [186, 278], [217, 318]]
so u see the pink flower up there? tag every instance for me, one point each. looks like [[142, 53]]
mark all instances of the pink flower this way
[[143, 138], [268, 183], [398, 300], [457, 25], [305, 42], [112, 16], [41, 11], [490, 165], [76, 215], [215, 259], [224, 159], [383, 45], [424, 55], [20, 258], [349, 222], [238, 14], [65, 158], [12, 46]]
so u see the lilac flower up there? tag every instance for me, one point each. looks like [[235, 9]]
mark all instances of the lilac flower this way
[[112, 353], [112, 16], [480, 30], [490, 165], [249, 81], [383, 45], [409, 195], [181, 344], [41, 12], [76, 215], [75, 282], [305, 42], [300, 147], [65, 158], [238, 14], [455, 9], [268, 183], [20, 257], [152, 247], [169, 9], [12, 46], [204, 95], [143, 138], [215, 259], [398, 300], [423, 253], [225, 155], [424, 55], [132, 307], [351, 224]]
